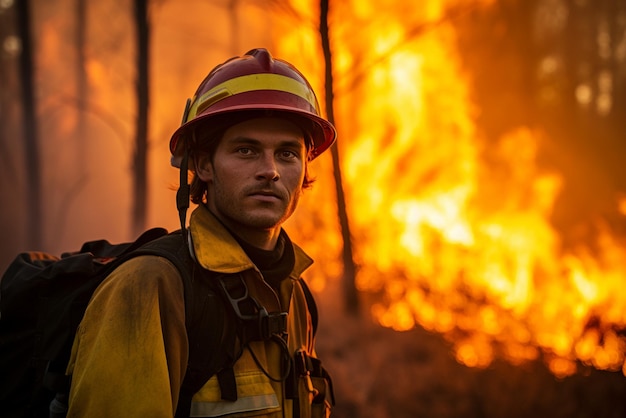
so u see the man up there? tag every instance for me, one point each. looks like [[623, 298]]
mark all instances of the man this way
[[247, 136]]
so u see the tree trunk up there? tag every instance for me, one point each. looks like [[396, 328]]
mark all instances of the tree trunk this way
[[140, 186], [32, 166], [349, 268], [81, 84]]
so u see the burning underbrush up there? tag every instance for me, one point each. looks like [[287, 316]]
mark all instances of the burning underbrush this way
[[382, 373]]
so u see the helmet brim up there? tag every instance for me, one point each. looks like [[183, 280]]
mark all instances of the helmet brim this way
[[322, 132]]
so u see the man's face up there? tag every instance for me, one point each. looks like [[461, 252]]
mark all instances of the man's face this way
[[255, 177]]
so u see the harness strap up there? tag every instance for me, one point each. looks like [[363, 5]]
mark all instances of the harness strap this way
[[304, 365], [183, 192], [228, 384], [257, 323]]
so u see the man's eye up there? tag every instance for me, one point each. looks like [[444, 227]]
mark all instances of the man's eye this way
[[244, 151], [288, 154]]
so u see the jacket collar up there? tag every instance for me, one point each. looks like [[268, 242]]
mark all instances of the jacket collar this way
[[215, 248]]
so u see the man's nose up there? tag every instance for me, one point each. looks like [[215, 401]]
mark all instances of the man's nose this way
[[268, 169]]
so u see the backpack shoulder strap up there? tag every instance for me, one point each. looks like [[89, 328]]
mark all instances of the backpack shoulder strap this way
[[310, 302], [211, 329]]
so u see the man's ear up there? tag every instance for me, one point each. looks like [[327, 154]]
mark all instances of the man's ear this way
[[204, 168]]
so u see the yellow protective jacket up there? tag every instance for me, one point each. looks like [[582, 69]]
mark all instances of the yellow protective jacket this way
[[130, 352]]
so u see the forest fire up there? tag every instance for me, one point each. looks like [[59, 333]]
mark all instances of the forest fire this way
[[454, 232], [454, 229]]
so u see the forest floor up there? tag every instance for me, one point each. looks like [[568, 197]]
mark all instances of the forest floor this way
[[381, 373]]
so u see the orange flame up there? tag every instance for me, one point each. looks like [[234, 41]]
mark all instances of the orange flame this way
[[455, 236]]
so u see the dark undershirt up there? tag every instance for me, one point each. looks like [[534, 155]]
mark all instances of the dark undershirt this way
[[275, 265]]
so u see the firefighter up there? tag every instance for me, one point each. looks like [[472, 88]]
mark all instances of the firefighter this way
[[247, 137]]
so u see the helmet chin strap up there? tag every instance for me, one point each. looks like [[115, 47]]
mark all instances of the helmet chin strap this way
[[182, 195]]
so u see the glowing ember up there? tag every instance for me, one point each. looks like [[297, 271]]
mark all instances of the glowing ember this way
[[455, 237]]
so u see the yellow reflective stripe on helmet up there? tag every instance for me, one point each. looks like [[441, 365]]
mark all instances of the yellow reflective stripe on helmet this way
[[252, 82]]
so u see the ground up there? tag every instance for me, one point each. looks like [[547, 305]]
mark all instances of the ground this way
[[381, 373]]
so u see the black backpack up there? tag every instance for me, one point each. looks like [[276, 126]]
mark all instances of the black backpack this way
[[43, 299]]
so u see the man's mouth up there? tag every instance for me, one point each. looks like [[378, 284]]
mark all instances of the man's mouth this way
[[265, 195]]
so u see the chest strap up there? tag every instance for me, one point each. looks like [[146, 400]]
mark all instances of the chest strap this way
[[254, 324], [257, 323]]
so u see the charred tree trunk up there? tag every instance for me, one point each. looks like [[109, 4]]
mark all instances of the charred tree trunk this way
[[140, 170], [32, 167], [7, 98], [349, 268], [81, 81]]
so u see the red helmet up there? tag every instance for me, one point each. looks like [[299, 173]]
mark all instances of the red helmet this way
[[253, 82]]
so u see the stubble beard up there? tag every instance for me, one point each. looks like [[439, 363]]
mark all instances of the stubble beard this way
[[232, 210]]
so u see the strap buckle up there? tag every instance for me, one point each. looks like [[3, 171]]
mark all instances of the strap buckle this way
[[271, 324], [302, 363], [258, 323]]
